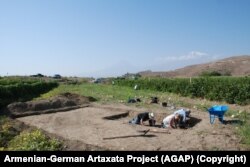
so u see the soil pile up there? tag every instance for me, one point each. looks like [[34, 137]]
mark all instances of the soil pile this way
[[62, 102]]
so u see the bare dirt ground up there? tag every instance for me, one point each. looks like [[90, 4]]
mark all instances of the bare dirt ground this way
[[105, 127]]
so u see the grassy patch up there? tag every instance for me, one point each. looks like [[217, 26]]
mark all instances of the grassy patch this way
[[106, 93], [232, 113], [7, 132], [33, 141], [244, 130], [11, 138], [3, 119]]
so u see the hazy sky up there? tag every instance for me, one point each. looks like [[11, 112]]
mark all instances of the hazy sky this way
[[111, 37]]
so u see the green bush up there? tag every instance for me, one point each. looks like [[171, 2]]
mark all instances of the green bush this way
[[210, 73], [7, 132], [33, 141], [23, 91], [214, 73]]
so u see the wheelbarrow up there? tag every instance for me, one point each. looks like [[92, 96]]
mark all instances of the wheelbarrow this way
[[217, 112]]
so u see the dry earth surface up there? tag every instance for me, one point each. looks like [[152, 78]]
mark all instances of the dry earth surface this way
[[105, 127]]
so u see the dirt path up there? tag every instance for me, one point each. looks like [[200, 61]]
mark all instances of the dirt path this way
[[106, 127]]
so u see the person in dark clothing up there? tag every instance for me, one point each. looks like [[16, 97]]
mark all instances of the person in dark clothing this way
[[142, 117]]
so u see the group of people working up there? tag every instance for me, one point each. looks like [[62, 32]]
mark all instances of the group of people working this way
[[178, 119]]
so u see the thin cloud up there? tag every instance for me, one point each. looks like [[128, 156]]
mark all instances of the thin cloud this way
[[190, 56]]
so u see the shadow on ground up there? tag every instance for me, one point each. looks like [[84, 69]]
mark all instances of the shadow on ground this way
[[128, 136], [193, 121], [238, 122], [118, 116]]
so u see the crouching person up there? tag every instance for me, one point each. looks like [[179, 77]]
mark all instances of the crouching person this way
[[142, 117], [184, 117], [171, 121]]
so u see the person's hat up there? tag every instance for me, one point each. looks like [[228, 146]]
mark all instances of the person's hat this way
[[151, 115]]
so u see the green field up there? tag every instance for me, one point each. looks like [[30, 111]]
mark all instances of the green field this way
[[107, 93]]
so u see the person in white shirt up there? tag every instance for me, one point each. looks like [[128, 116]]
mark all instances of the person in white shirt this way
[[171, 121]]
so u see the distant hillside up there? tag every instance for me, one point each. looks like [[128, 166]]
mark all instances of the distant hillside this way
[[236, 66]]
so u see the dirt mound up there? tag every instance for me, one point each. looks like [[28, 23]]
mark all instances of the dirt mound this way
[[62, 102]]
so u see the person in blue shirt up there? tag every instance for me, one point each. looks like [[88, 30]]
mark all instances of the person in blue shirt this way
[[184, 116]]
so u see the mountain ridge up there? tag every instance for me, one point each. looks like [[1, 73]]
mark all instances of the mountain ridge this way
[[235, 66]]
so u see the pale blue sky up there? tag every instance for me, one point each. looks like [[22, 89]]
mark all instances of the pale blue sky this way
[[111, 37]]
